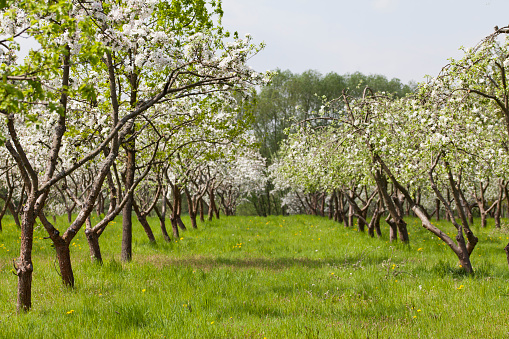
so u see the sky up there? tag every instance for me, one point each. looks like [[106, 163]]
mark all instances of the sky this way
[[404, 39]]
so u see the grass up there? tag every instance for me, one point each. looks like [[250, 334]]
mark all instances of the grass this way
[[252, 277]]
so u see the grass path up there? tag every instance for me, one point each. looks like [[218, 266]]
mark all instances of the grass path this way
[[251, 277]]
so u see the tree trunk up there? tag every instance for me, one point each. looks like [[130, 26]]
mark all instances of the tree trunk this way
[[498, 210], [403, 231], [162, 217], [360, 225], [142, 218], [483, 213], [16, 217], [216, 210], [69, 216], [372, 224], [175, 228], [193, 220], [100, 205], [268, 203], [393, 229], [437, 203], [24, 266], [180, 223], [93, 245], [336, 206], [64, 262], [127, 223], [192, 206], [202, 214], [447, 216], [377, 226], [350, 216], [466, 207], [331, 206], [211, 204], [322, 207], [162, 223], [177, 207]]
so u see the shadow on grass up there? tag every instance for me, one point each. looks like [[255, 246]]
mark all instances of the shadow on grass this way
[[265, 263]]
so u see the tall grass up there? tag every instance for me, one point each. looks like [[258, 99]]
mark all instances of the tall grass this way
[[252, 277]]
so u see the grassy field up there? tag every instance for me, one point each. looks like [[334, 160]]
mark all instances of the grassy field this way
[[252, 277]]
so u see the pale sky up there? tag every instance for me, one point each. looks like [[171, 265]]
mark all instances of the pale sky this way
[[405, 39]]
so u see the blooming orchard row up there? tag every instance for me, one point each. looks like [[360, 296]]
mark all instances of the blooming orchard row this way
[[445, 145], [119, 96]]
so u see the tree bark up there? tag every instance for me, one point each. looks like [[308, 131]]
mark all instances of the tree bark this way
[[175, 228], [64, 261], [142, 218], [498, 211], [211, 204], [24, 266], [202, 214], [447, 216], [372, 223], [437, 209], [331, 206], [162, 216], [93, 245], [192, 206], [127, 223]]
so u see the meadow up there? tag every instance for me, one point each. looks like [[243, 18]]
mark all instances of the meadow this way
[[254, 277]]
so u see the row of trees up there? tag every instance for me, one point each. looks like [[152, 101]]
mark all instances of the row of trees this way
[[290, 98], [444, 147], [122, 107]]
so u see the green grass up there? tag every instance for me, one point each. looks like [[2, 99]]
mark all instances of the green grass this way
[[252, 277]]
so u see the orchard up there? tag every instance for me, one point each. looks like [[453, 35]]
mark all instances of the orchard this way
[[149, 110]]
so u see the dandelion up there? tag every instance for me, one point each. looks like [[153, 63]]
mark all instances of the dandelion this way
[[70, 312], [415, 316], [419, 249], [211, 322], [461, 287], [418, 310], [143, 290], [181, 238]]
